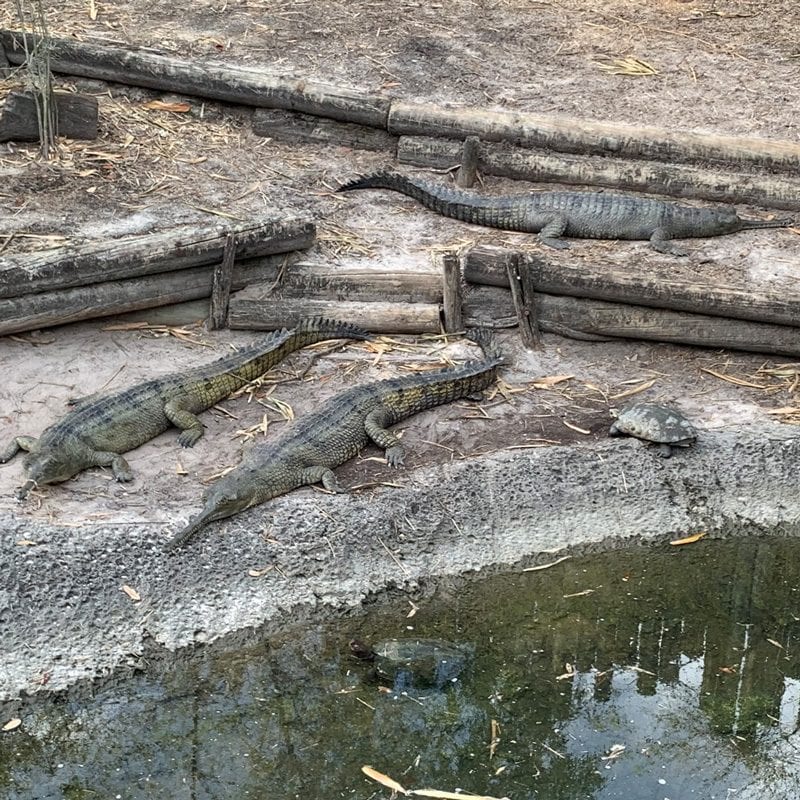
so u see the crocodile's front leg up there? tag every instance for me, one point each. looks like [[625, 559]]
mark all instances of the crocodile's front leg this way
[[323, 475], [190, 425], [552, 231], [661, 243], [119, 466], [18, 443], [374, 426]]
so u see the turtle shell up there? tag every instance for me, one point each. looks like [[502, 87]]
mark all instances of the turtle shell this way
[[655, 423], [419, 662]]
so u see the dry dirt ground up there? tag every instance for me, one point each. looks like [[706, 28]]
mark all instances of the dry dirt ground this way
[[729, 67]]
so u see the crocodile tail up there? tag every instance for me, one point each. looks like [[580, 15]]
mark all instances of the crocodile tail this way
[[320, 328], [385, 179], [485, 339]]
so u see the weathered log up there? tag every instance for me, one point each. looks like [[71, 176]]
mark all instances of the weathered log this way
[[187, 313], [232, 84], [468, 169], [323, 282], [76, 117], [221, 284], [33, 311], [288, 126], [486, 264], [673, 180], [251, 309], [164, 251], [452, 295], [576, 135], [523, 296], [580, 318]]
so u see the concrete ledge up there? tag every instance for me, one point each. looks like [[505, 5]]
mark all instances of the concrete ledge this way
[[63, 613]]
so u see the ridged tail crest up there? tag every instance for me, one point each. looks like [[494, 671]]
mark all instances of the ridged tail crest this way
[[385, 179], [324, 328]]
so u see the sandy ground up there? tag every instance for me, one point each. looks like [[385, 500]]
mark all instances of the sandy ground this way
[[725, 67]]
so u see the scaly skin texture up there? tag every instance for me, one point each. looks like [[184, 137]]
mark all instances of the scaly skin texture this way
[[582, 215], [102, 427], [335, 433]]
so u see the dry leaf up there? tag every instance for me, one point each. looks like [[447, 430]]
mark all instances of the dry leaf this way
[[384, 780], [495, 740], [546, 566], [579, 594], [777, 644], [259, 573], [551, 380], [12, 724], [628, 66], [161, 105], [26, 543], [634, 389], [695, 537], [452, 795], [576, 428], [734, 380], [131, 592]]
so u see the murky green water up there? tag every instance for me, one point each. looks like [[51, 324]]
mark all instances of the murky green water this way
[[688, 658]]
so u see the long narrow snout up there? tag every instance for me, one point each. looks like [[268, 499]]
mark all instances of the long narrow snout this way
[[206, 515]]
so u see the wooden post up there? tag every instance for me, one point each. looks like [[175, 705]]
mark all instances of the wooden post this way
[[451, 291], [221, 285], [467, 172], [520, 279]]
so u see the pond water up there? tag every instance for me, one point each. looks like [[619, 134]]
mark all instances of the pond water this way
[[640, 674]]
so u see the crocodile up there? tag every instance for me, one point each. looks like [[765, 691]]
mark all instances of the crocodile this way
[[101, 427], [333, 434], [582, 215]]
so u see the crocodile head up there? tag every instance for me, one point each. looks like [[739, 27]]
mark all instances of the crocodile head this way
[[50, 467]]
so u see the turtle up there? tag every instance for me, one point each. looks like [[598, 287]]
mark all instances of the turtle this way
[[655, 423], [421, 663]]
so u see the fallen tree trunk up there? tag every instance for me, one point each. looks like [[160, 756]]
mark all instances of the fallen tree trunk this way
[[247, 85], [287, 126], [673, 180], [575, 135], [76, 117], [252, 310], [165, 251], [45, 309], [592, 319], [487, 265]]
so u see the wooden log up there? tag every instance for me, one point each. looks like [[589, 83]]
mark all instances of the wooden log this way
[[468, 170], [164, 251], [575, 135], [288, 126], [58, 307], [582, 318], [523, 296], [188, 313], [232, 84], [672, 180], [451, 292], [76, 117], [221, 282], [486, 264], [323, 282], [251, 309], [5, 65]]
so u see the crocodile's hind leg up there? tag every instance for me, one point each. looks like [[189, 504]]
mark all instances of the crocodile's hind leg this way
[[119, 466], [18, 443], [323, 475], [552, 231], [373, 425], [661, 243], [190, 425]]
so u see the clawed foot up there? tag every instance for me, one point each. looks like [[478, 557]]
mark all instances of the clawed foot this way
[[190, 437], [395, 456]]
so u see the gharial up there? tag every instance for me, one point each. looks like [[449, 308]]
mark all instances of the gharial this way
[[101, 427], [582, 215], [336, 432]]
